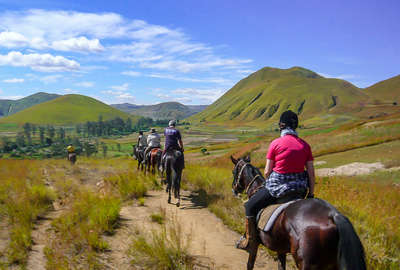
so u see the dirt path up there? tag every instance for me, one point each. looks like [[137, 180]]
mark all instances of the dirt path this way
[[210, 238]]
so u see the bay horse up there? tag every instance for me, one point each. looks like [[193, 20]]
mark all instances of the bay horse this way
[[139, 155], [153, 160], [316, 234], [173, 164]]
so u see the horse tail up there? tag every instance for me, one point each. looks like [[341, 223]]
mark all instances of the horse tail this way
[[168, 170], [351, 254]]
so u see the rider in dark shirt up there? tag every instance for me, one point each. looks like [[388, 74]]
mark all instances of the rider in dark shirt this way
[[173, 139]]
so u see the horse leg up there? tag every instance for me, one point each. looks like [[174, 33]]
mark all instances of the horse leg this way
[[178, 188], [282, 261], [253, 248]]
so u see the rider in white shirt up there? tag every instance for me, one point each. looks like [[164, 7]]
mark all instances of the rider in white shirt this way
[[153, 141]]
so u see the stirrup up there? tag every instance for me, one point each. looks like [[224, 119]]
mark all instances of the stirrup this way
[[239, 242]]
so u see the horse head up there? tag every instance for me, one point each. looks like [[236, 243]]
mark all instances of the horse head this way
[[239, 183]]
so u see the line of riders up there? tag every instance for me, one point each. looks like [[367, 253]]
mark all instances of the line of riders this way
[[149, 148]]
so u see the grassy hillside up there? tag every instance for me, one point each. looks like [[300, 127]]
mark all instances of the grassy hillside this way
[[265, 94], [386, 91], [9, 107], [166, 110], [68, 109]]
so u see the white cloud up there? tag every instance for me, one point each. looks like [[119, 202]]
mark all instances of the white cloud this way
[[51, 78], [12, 39], [10, 97], [39, 62], [131, 73], [70, 91], [341, 76], [203, 95], [122, 87], [14, 80], [85, 84], [221, 81], [148, 45], [118, 96], [81, 44]]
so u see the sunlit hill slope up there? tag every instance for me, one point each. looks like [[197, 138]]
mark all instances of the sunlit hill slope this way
[[265, 94], [68, 109]]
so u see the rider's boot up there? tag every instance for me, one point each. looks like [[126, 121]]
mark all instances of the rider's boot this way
[[251, 234]]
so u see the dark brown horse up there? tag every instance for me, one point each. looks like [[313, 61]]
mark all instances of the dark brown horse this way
[[312, 230], [173, 164], [138, 154], [153, 160]]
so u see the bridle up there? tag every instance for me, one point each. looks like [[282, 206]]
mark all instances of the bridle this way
[[236, 178], [236, 181]]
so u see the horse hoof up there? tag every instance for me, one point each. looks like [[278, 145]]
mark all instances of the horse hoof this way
[[169, 200], [178, 204]]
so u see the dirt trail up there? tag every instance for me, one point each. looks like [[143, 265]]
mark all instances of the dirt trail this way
[[40, 233], [211, 240]]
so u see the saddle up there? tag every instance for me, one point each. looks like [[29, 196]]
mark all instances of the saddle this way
[[267, 216]]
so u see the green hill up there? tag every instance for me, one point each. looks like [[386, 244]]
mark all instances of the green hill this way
[[265, 94], [166, 110], [9, 107], [66, 110], [385, 91]]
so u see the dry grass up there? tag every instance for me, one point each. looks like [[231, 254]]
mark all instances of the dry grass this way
[[23, 197], [163, 249]]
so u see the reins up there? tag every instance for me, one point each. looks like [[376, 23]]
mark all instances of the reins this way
[[237, 180]]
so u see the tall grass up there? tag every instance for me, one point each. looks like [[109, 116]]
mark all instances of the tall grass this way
[[164, 249], [79, 230], [23, 197]]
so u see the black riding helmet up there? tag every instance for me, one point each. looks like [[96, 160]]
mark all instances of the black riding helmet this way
[[288, 119]]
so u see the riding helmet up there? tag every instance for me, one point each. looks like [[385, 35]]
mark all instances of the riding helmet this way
[[289, 119], [172, 123]]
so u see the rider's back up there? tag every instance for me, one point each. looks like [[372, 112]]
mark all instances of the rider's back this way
[[290, 154], [172, 136]]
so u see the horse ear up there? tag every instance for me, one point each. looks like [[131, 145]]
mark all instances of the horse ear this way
[[234, 161], [247, 159]]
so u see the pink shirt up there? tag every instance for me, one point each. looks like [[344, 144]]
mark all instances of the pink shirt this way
[[290, 154]]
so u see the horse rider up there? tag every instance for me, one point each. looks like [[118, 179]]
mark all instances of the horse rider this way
[[70, 151], [287, 158], [142, 142], [173, 140], [153, 141]]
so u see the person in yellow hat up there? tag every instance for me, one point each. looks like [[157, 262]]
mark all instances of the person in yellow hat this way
[[71, 153]]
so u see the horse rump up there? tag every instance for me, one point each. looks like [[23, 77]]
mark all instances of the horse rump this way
[[72, 157]]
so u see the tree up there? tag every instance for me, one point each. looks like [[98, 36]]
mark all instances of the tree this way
[[41, 134], [78, 129], [128, 125], [104, 147], [51, 132], [34, 128], [20, 140], [61, 134]]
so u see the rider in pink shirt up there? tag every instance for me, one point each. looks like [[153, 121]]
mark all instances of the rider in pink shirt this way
[[289, 173]]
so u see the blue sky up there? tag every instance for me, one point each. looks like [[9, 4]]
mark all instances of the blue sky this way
[[147, 52]]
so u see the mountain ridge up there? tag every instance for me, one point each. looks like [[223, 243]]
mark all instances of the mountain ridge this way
[[164, 110], [67, 110], [265, 94]]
